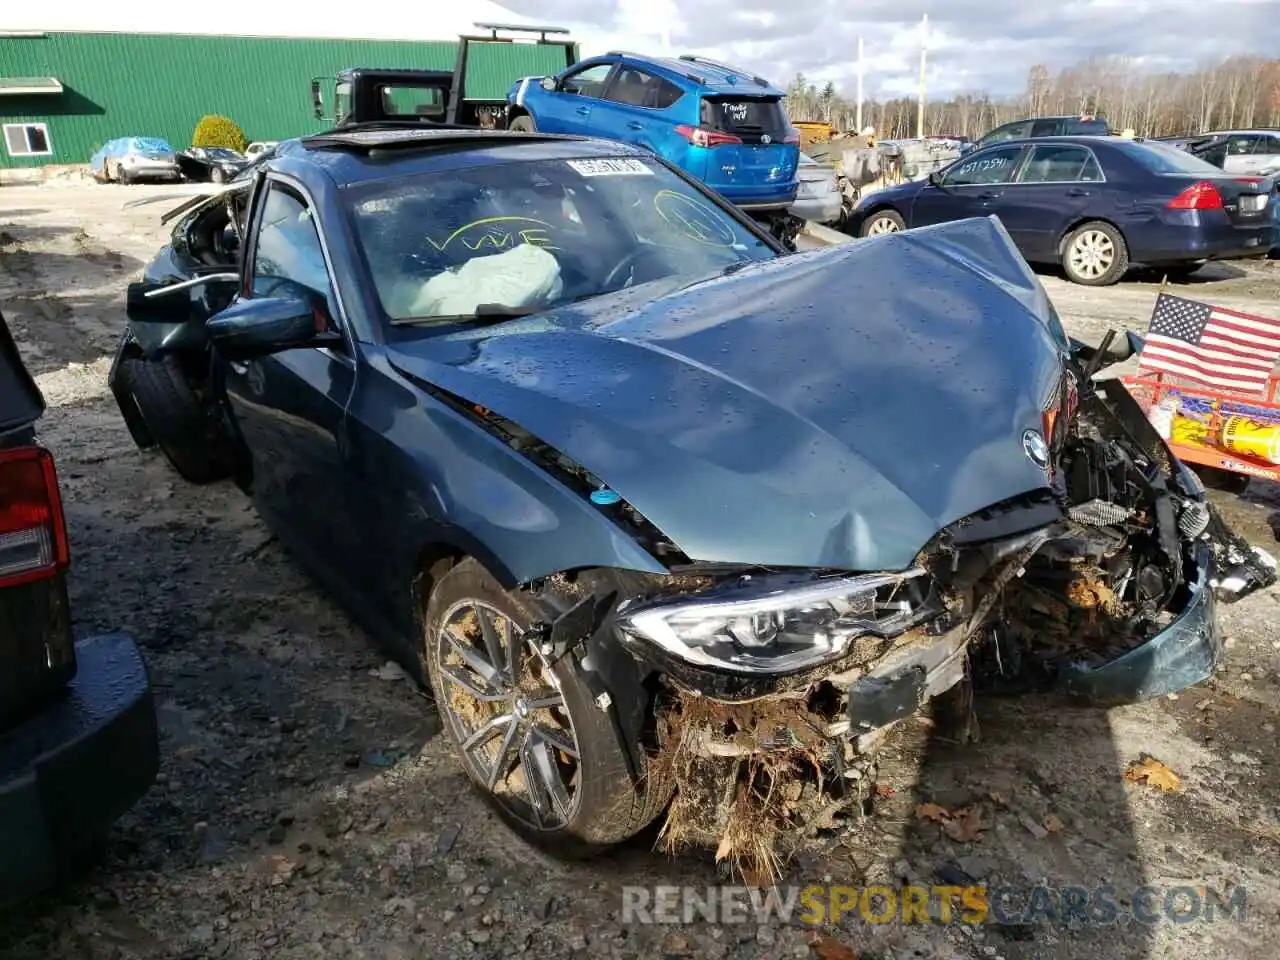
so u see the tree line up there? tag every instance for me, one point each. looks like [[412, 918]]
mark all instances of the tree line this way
[[1240, 91]]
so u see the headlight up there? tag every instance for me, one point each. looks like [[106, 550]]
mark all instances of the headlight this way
[[780, 626]]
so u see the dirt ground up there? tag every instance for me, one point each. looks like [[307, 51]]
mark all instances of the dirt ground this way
[[308, 807]]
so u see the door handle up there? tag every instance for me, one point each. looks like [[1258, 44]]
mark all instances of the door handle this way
[[988, 196], [635, 125], [1078, 192], [584, 110]]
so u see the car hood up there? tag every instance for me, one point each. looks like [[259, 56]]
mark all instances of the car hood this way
[[826, 409]]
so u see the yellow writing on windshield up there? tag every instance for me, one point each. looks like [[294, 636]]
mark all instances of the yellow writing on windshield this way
[[694, 219], [499, 233]]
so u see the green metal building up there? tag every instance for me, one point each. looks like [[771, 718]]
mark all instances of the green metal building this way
[[63, 95]]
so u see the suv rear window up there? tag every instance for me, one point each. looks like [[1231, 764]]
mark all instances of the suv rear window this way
[[1089, 127], [746, 117]]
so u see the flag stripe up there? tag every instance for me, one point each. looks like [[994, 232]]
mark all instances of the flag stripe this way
[[1194, 374], [1243, 336], [1250, 351], [1224, 370], [1265, 324], [1162, 345]]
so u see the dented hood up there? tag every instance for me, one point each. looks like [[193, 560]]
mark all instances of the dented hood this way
[[827, 409]]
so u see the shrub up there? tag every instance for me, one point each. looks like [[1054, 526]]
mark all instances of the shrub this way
[[217, 131]]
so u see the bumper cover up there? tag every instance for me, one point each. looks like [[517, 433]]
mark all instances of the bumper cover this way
[[1183, 654], [72, 770]]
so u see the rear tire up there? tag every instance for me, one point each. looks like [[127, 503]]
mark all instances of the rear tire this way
[[1095, 255], [523, 123], [590, 803], [881, 222], [191, 439]]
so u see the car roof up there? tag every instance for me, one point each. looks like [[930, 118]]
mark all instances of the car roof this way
[[358, 155], [712, 75]]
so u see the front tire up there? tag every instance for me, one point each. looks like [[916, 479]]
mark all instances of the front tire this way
[[523, 123], [1095, 255], [529, 735], [882, 222], [191, 439]]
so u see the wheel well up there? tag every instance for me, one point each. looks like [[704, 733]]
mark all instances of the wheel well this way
[[1080, 222], [514, 111], [434, 561]]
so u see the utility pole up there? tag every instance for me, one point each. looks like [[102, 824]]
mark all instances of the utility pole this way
[[858, 125], [924, 45]]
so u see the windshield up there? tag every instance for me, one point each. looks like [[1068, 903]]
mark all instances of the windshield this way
[[151, 145], [1162, 158], [530, 236]]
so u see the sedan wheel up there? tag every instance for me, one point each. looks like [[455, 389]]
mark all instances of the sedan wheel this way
[[508, 715], [539, 742], [1095, 255], [886, 221]]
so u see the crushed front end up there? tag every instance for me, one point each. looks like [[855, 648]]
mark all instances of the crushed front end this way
[[770, 688]]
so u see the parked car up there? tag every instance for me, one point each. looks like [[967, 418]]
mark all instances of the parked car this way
[[1035, 127], [625, 482], [127, 159], [1254, 152], [818, 196], [217, 164], [1095, 205], [78, 742], [725, 126], [259, 147]]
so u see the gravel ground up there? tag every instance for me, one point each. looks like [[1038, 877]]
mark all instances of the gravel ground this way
[[307, 806]]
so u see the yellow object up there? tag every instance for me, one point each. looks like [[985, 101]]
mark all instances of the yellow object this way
[[1250, 438], [1189, 431]]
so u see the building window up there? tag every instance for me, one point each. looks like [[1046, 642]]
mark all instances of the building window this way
[[27, 140]]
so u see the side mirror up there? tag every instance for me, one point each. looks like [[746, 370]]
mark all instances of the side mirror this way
[[548, 84], [935, 179], [1112, 350], [264, 325], [317, 100], [160, 303]]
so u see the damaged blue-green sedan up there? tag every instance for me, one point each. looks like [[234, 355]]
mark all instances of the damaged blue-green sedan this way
[[669, 520]]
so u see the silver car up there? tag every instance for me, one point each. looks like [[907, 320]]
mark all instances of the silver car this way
[[127, 159], [818, 196], [1255, 152]]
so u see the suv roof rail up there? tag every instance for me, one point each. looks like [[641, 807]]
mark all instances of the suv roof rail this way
[[694, 58], [493, 28]]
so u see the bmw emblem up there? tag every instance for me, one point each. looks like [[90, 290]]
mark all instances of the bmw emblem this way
[[1035, 448], [766, 139]]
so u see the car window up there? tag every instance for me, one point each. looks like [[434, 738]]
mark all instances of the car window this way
[[1240, 145], [1010, 131], [1215, 154], [1267, 144], [288, 247], [1060, 163], [631, 86], [1045, 128], [1162, 158], [662, 94], [588, 82], [538, 234], [989, 166]]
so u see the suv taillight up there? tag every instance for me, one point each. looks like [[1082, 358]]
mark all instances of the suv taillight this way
[[33, 532], [1201, 196], [702, 137]]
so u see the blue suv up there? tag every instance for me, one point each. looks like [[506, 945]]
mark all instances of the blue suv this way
[[727, 127]]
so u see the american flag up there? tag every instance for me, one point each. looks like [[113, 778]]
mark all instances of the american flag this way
[[1225, 349]]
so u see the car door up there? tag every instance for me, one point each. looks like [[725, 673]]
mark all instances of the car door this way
[[630, 110], [968, 187], [287, 408], [1266, 154], [1239, 156], [569, 108], [1054, 187]]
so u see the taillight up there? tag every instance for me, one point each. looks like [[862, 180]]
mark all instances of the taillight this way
[[702, 137], [1201, 196], [33, 532]]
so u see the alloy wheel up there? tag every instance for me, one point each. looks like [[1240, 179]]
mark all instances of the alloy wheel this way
[[882, 225], [1092, 254], [507, 712]]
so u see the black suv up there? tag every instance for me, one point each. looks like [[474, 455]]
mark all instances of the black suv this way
[[78, 740], [1078, 125]]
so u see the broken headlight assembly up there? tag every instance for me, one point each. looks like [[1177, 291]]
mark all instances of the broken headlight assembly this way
[[781, 624]]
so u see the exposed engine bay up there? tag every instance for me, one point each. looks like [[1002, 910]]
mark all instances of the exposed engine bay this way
[[1066, 586]]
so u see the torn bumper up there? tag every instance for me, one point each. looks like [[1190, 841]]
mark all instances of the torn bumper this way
[[72, 770], [1183, 654]]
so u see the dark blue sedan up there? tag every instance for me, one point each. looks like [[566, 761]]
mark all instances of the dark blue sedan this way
[[1095, 205], [627, 486]]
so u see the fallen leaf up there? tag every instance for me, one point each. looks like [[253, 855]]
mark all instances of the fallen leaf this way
[[1053, 823], [884, 790], [824, 948], [932, 811], [725, 848], [1152, 772], [965, 826], [998, 798]]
